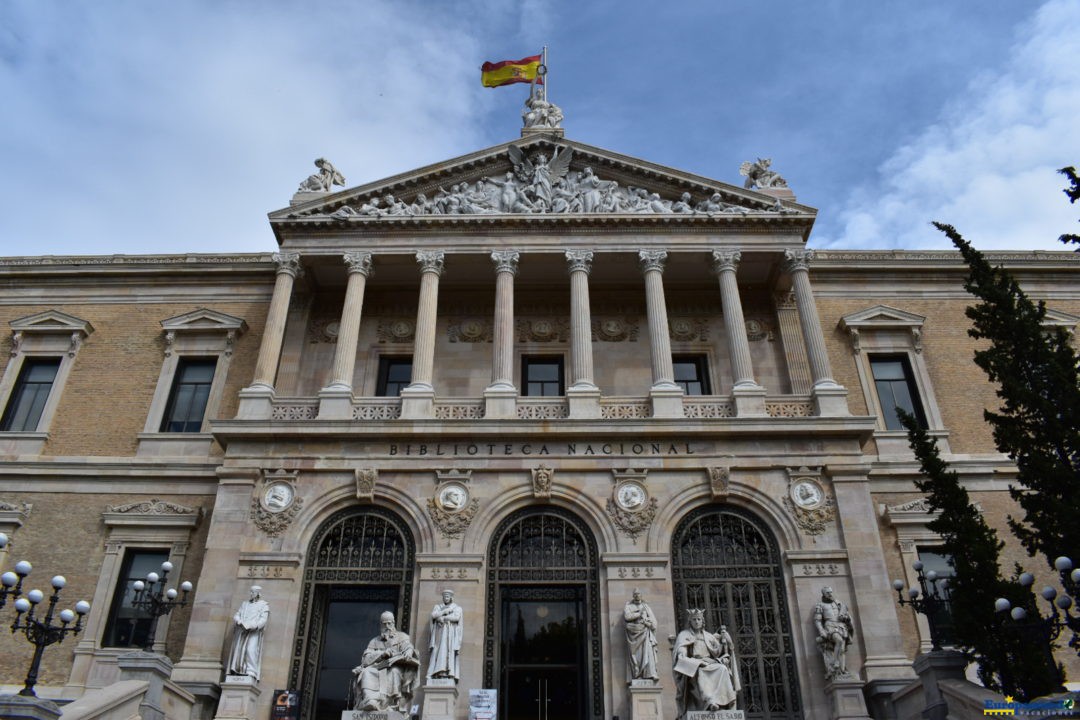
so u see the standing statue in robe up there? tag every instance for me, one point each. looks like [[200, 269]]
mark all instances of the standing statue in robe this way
[[705, 668], [386, 675], [446, 631], [245, 656], [640, 639]]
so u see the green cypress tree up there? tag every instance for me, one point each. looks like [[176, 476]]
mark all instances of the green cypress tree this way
[[1073, 193]]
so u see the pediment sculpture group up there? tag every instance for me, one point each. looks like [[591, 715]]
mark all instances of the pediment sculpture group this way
[[542, 184], [704, 664]]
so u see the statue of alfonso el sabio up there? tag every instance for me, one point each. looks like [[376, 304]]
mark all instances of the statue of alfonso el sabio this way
[[706, 670]]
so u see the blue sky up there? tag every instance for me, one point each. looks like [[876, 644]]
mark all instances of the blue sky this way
[[152, 127]]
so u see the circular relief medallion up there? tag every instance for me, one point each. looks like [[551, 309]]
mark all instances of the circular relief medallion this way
[[472, 329], [807, 494], [682, 328], [543, 329], [452, 498], [401, 328], [631, 496], [332, 329], [612, 328], [278, 496]]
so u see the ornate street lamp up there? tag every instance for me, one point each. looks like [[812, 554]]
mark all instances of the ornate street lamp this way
[[1061, 605], [155, 600], [42, 632], [11, 582], [932, 602]]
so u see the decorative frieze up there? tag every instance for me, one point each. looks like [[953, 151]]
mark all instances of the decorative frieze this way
[[760, 329], [688, 329], [614, 329], [323, 330], [396, 330], [542, 329], [470, 330]]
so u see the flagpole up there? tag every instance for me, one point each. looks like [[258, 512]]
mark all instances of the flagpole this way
[[543, 61]]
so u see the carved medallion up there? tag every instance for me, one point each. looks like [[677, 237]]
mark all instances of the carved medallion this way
[[807, 500], [614, 329], [542, 330], [687, 329], [276, 503], [470, 330], [719, 482], [630, 507], [365, 484], [759, 330], [324, 330], [396, 330], [452, 510]]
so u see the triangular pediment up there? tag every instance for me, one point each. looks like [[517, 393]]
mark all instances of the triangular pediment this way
[[204, 320], [881, 317], [543, 179], [1057, 318], [51, 321]]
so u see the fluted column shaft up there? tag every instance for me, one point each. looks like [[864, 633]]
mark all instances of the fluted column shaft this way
[[652, 265], [359, 264], [502, 361], [431, 267], [797, 263], [579, 263], [742, 366], [288, 268]]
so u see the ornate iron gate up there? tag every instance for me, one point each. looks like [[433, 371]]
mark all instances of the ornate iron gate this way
[[364, 554], [725, 561]]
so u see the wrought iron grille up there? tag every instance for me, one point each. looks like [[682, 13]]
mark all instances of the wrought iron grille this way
[[726, 562], [369, 549], [544, 546]]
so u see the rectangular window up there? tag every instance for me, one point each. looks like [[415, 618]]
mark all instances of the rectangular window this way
[[895, 385], [692, 374], [395, 374], [128, 626], [934, 559], [30, 393], [190, 391], [542, 375]]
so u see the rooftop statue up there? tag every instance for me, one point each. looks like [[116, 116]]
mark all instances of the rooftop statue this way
[[324, 180], [758, 174], [539, 112]]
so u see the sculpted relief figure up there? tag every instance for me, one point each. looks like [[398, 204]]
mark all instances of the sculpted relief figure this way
[[324, 180], [446, 631], [245, 656], [705, 668], [759, 175], [640, 639], [386, 676], [835, 630]]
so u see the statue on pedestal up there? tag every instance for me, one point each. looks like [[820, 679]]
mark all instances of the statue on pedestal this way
[[835, 630], [640, 639], [324, 180], [705, 668], [446, 631], [386, 676], [245, 656]]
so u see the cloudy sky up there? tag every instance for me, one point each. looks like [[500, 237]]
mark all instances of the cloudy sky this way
[[151, 127]]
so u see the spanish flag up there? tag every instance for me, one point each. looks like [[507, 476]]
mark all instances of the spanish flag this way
[[511, 71]]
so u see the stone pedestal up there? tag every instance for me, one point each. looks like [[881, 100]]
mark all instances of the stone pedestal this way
[[440, 699], [255, 403], [933, 667], [373, 715], [417, 403], [239, 698], [584, 402], [151, 668], [646, 700], [846, 701], [715, 715], [666, 401], [335, 403], [18, 707], [500, 402], [749, 401], [829, 400]]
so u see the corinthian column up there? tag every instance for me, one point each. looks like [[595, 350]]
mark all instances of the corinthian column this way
[[666, 395], [829, 397], [500, 398], [418, 399], [335, 400], [749, 396], [583, 395], [257, 398]]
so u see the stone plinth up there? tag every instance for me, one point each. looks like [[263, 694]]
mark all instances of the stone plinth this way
[[666, 401], [440, 699], [646, 700], [715, 715], [846, 700], [239, 697], [373, 715], [19, 707], [933, 667]]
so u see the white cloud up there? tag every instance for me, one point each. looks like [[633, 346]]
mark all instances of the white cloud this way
[[988, 166]]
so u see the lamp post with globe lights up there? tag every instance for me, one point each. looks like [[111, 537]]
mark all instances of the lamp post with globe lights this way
[[933, 600], [11, 582], [1061, 606], [42, 632], [155, 599]]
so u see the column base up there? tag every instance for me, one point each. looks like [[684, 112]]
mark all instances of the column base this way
[[418, 402], [239, 698], [846, 701], [256, 403], [335, 403], [440, 701], [584, 400], [749, 400], [500, 402], [666, 400], [830, 400], [646, 700]]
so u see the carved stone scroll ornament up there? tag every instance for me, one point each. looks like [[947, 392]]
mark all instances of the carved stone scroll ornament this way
[[365, 484], [719, 482], [152, 507], [542, 477], [276, 502]]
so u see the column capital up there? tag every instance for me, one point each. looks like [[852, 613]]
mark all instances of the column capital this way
[[358, 262], [506, 261], [652, 260], [725, 260], [579, 260], [431, 261], [797, 260], [288, 263]]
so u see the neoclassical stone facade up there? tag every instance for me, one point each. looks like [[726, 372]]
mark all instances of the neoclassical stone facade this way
[[541, 407]]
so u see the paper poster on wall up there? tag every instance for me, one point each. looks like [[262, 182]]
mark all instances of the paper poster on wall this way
[[483, 704], [286, 705]]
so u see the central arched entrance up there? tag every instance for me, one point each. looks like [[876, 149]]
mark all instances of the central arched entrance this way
[[542, 634]]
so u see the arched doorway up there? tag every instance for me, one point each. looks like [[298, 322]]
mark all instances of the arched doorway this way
[[725, 561], [359, 565], [542, 633]]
